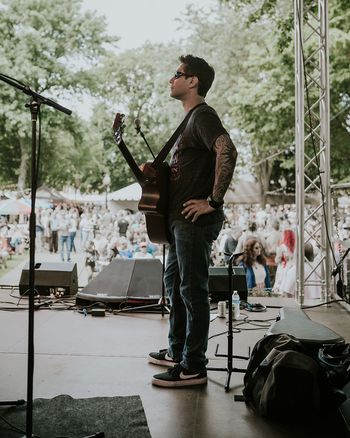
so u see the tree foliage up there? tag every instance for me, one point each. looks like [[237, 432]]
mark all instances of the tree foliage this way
[[255, 87], [280, 16], [64, 53], [136, 83], [53, 53]]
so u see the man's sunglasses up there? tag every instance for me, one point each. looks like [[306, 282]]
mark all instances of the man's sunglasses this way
[[178, 75]]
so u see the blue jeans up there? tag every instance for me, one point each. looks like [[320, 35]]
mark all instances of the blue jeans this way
[[72, 235], [65, 241], [186, 282]]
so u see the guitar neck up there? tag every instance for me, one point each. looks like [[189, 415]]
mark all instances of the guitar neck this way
[[131, 162]]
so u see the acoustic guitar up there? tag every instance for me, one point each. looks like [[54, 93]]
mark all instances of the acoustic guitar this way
[[154, 181]]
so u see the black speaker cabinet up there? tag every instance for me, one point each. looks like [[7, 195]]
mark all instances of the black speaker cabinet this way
[[126, 280], [51, 278], [219, 282]]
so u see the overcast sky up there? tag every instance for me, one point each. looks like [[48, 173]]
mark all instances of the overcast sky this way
[[138, 21], [135, 22]]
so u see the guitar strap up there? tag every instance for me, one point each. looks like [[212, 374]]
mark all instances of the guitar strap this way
[[170, 143]]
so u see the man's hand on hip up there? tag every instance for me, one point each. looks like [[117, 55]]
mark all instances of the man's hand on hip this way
[[195, 208]]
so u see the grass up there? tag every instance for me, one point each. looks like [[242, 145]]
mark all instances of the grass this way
[[13, 262]]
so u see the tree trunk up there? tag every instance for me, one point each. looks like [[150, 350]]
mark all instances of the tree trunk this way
[[23, 167], [264, 175]]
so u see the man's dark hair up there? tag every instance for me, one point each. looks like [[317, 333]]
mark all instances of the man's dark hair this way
[[200, 68]]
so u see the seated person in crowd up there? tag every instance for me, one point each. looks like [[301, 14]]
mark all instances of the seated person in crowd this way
[[231, 242], [311, 275], [142, 252], [284, 259], [251, 233], [254, 262]]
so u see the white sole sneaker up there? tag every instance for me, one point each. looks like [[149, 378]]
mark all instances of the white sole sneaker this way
[[166, 362], [179, 383]]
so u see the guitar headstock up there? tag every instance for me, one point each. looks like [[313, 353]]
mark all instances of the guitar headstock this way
[[118, 127]]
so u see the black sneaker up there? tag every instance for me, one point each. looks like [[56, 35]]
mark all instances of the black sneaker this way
[[178, 376], [161, 358]]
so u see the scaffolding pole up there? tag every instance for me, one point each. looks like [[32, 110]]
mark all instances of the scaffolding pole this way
[[312, 141]]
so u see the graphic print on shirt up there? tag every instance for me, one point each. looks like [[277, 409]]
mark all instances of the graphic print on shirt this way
[[174, 162]]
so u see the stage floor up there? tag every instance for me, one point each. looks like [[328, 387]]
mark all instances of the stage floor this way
[[86, 356]]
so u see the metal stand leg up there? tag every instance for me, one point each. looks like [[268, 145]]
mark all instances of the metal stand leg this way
[[229, 368]]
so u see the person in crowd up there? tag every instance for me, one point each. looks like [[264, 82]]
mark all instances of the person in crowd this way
[[284, 259], [73, 226], [123, 247], [63, 233], [250, 233], [254, 262], [85, 227], [45, 223], [272, 241], [123, 225], [142, 252], [202, 165], [39, 232], [231, 242], [100, 244], [54, 226], [4, 252], [17, 241], [312, 275]]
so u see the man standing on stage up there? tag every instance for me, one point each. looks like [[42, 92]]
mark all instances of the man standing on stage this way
[[202, 165]]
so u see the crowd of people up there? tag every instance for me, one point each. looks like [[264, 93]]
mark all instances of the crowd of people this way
[[264, 238]]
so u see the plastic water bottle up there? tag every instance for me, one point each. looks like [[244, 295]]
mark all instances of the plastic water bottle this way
[[236, 303]]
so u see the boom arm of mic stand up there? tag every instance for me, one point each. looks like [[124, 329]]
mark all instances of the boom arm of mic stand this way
[[145, 140], [36, 96]]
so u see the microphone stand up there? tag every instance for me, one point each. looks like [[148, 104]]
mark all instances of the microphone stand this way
[[36, 100], [139, 131], [229, 367]]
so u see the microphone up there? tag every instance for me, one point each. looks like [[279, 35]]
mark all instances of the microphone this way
[[234, 255], [137, 123]]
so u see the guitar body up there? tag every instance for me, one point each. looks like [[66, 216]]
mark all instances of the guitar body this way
[[154, 204], [154, 183]]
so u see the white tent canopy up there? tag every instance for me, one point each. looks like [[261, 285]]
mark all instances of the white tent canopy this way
[[126, 198]]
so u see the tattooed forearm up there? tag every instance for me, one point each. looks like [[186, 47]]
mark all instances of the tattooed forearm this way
[[226, 157]]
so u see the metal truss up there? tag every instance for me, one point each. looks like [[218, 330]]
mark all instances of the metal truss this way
[[312, 141]]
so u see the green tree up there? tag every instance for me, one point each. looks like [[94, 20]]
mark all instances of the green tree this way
[[52, 47], [280, 14], [254, 91], [136, 83]]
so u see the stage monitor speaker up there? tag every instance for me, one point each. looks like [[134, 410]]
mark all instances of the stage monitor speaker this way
[[219, 282], [51, 278], [126, 280]]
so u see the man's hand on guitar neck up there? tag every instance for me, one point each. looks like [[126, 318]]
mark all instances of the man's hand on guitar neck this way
[[195, 208], [148, 170]]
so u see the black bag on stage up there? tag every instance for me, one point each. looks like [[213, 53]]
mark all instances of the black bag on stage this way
[[283, 380]]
